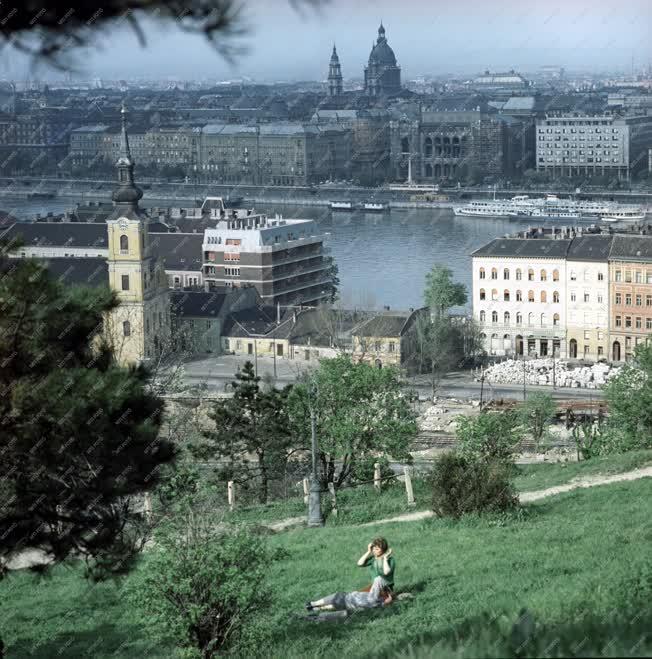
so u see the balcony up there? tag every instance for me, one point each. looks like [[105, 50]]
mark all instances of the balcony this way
[[297, 286]]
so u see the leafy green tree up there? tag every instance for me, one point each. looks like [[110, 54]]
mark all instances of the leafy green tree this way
[[78, 433], [360, 411], [441, 292], [252, 424], [629, 395], [536, 414], [202, 585], [492, 436]]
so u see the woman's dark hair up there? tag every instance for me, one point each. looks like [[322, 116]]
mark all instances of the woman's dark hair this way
[[381, 543]]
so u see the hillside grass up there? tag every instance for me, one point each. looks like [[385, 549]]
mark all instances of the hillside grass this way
[[357, 505], [578, 562]]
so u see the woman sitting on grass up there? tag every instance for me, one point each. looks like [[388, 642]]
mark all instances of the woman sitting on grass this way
[[381, 563]]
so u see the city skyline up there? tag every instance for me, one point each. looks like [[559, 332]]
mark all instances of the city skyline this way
[[427, 41]]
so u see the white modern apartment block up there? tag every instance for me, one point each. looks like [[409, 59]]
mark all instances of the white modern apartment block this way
[[587, 301], [592, 145], [519, 293]]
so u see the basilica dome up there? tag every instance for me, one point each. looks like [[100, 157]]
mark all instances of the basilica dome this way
[[381, 53]]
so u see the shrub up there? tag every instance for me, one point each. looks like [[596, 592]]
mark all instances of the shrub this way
[[537, 412], [492, 436], [463, 485], [363, 470], [202, 585]]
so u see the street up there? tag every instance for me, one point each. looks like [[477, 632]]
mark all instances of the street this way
[[216, 372]]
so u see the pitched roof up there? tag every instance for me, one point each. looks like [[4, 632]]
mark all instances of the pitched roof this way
[[387, 324], [527, 247], [198, 304], [178, 251], [63, 234], [631, 248], [258, 321], [589, 248], [82, 271]]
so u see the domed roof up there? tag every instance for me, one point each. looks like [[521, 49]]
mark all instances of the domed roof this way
[[381, 53], [127, 194]]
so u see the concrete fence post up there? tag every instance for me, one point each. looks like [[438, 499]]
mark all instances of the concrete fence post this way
[[331, 489], [408, 486], [231, 494], [377, 476], [306, 490]]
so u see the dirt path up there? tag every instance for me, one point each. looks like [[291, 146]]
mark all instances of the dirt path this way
[[527, 497]]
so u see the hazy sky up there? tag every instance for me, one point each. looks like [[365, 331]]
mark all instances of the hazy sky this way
[[428, 36]]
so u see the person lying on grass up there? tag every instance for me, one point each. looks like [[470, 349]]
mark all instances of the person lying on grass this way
[[377, 595], [378, 558]]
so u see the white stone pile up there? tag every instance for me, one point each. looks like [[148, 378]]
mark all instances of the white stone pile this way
[[540, 371]]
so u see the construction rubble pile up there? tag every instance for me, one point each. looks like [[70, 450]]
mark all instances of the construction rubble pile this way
[[547, 371]]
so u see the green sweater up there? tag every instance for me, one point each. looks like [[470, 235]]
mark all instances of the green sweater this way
[[375, 566]]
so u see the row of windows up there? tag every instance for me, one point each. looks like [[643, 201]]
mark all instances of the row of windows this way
[[638, 276], [581, 159], [638, 298], [518, 275], [232, 272], [519, 296], [543, 275], [543, 319], [638, 322]]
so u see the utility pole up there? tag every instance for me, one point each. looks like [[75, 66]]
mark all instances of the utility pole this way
[[315, 517], [481, 386], [524, 373], [256, 357]]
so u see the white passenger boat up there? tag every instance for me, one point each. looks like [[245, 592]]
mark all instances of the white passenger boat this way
[[624, 215], [374, 208], [341, 206]]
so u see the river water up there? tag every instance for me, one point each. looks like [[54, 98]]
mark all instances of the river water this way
[[383, 258]]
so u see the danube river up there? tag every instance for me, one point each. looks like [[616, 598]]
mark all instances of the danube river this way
[[383, 258]]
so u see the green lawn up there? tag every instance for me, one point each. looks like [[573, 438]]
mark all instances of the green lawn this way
[[580, 563]]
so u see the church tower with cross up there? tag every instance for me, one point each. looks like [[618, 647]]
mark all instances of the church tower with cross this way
[[139, 328], [334, 75]]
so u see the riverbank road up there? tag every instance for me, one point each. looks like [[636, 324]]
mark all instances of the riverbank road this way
[[216, 372]]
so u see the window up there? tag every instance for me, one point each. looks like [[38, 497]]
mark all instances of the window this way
[[519, 296], [587, 297], [124, 244], [233, 241], [648, 277], [391, 346], [555, 275], [506, 273], [544, 320], [518, 274], [494, 294], [648, 300], [482, 294], [530, 275], [555, 297], [628, 321], [125, 282], [628, 299], [530, 319], [638, 277], [506, 318], [377, 346], [494, 273], [587, 335], [639, 322], [482, 273], [544, 297], [619, 321], [494, 316], [600, 351], [126, 328], [483, 316], [555, 320], [618, 275], [639, 300], [619, 298], [543, 275], [600, 299], [519, 318], [573, 296], [628, 276], [648, 323], [530, 296], [505, 295], [573, 275]]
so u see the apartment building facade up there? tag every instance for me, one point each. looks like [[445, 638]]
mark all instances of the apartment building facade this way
[[283, 259]]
